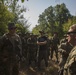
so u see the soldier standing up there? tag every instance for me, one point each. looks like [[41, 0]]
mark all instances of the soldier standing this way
[[42, 43], [32, 50], [10, 52], [26, 47], [54, 45], [70, 65], [64, 50]]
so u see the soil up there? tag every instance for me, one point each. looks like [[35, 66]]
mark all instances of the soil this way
[[52, 69]]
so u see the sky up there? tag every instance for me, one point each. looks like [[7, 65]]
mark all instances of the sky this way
[[36, 7]]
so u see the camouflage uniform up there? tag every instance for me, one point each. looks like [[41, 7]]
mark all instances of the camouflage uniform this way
[[32, 53], [24, 43], [10, 54], [63, 40], [54, 47], [48, 48], [26, 46], [64, 50], [70, 66]]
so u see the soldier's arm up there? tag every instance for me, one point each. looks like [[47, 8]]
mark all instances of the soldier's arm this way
[[19, 47], [41, 43], [2, 42], [62, 48]]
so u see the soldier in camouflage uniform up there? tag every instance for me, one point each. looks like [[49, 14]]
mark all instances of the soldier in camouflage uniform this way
[[25, 52], [54, 46], [70, 65], [10, 52], [32, 51], [48, 47], [64, 50]]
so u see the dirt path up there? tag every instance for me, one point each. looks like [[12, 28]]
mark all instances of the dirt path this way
[[52, 69]]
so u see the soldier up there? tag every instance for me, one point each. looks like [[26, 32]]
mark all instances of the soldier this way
[[10, 52], [64, 50], [66, 47], [54, 45], [70, 65], [32, 50], [25, 52], [42, 43], [48, 47]]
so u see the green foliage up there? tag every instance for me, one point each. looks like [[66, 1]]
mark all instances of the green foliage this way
[[18, 16], [2, 1], [36, 30], [5, 17], [22, 27], [69, 23], [53, 19], [22, 0], [11, 11]]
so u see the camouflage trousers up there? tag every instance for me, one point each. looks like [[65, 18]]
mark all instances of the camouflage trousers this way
[[54, 49], [9, 68]]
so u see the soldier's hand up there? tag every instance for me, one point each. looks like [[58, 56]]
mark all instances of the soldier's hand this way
[[63, 51]]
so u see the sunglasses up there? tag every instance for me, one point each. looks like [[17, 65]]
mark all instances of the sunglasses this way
[[12, 28], [71, 32]]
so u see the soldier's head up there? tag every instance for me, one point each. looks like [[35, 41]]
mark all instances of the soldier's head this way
[[12, 27], [31, 35], [41, 32], [72, 33], [55, 34]]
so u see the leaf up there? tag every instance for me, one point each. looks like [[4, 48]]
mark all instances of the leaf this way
[[22, 1]]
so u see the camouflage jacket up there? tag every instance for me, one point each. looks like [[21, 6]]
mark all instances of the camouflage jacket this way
[[10, 46], [64, 49], [70, 66], [55, 41]]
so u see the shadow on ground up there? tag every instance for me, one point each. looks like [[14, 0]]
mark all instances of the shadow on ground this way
[[52, 69]]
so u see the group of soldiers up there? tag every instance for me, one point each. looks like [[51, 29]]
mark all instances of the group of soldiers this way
[[15, 48], [29, 47]]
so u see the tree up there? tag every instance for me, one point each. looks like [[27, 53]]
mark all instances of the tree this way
[[18, 12], [62, 15], [69, 23], [53, 19], [46, 20], [36, 29], [11, 11], [2, 1], [5, 17], [21, 28]]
